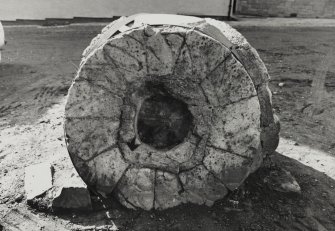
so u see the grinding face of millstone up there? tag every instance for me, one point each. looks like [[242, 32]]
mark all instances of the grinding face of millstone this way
[[160, 116]]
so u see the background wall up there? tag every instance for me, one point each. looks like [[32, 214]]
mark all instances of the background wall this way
[[41, 9], [287, 8]]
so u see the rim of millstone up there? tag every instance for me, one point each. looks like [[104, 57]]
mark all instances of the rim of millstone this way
[[222, 146]]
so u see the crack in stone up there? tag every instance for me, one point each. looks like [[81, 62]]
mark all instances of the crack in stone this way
[[101, 152], [234, 102], [189, 53], [123, 174], [122, 68], [129, 36], [230, 152], [92, 83], [182, 190], [147, 48], [214, 175], [204, 93], [99, 118], [127, 53], [179, 49], [216, 67], [126, 200], [154, 189]]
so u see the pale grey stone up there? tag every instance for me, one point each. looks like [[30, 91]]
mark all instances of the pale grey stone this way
[[137, 187], [167, 190], [236, 128], [201, 187], [87, 137], [106, 170], [37, 180]]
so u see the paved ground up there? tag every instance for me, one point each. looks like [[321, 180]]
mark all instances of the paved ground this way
[[39, 64]]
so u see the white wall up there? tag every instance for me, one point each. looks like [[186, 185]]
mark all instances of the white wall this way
[[40, 9]]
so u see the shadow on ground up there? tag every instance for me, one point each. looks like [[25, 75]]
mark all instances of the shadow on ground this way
[[253, 207]]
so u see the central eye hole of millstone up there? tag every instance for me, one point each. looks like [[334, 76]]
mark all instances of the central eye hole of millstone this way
[[163, 121]]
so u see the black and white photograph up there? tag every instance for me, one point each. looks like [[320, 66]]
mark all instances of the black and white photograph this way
[[180, 115]]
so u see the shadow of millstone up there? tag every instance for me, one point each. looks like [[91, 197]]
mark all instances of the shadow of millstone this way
[[254, 206]]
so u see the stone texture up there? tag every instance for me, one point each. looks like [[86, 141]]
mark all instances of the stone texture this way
[[107, 77], [137, 187], [87, 137], [228, 83], [167, 190], [201, 187], [205, 53], [236, 128], [228, 167], [87, 100], [159, 54], [105, 170], [232, 126], [37, 180]]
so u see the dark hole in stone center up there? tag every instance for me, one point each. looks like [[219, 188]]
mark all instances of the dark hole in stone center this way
[[163, 121]]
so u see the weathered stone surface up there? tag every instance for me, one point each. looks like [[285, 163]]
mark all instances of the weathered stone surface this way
[[105, 170], [205, 53], [167, 190], [125, 139], [230, 168], [137, 187], [236, 128], [37, 180], [87, 100], [269, 137], [159, 55], [145, 156], [228, 83], [107, 77], [175, 42], [125, 61], [87, 137], [201, 187]]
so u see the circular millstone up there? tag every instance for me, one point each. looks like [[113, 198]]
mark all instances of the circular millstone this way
[[164, 115]]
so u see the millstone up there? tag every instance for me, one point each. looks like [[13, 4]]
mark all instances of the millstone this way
[[160, 115]]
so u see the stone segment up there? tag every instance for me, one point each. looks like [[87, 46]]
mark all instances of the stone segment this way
[[159, 54], [197, 156], [130, 47], [87, 100], [106, 76], [137, 187], [228, 83], [228, 167], [37, 180], [269, 137], [168, 160], [87, 137], [236, 128], [205, 53], [167, 190], [201, 187], [106, 170], [126, 62], [175, 42]]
